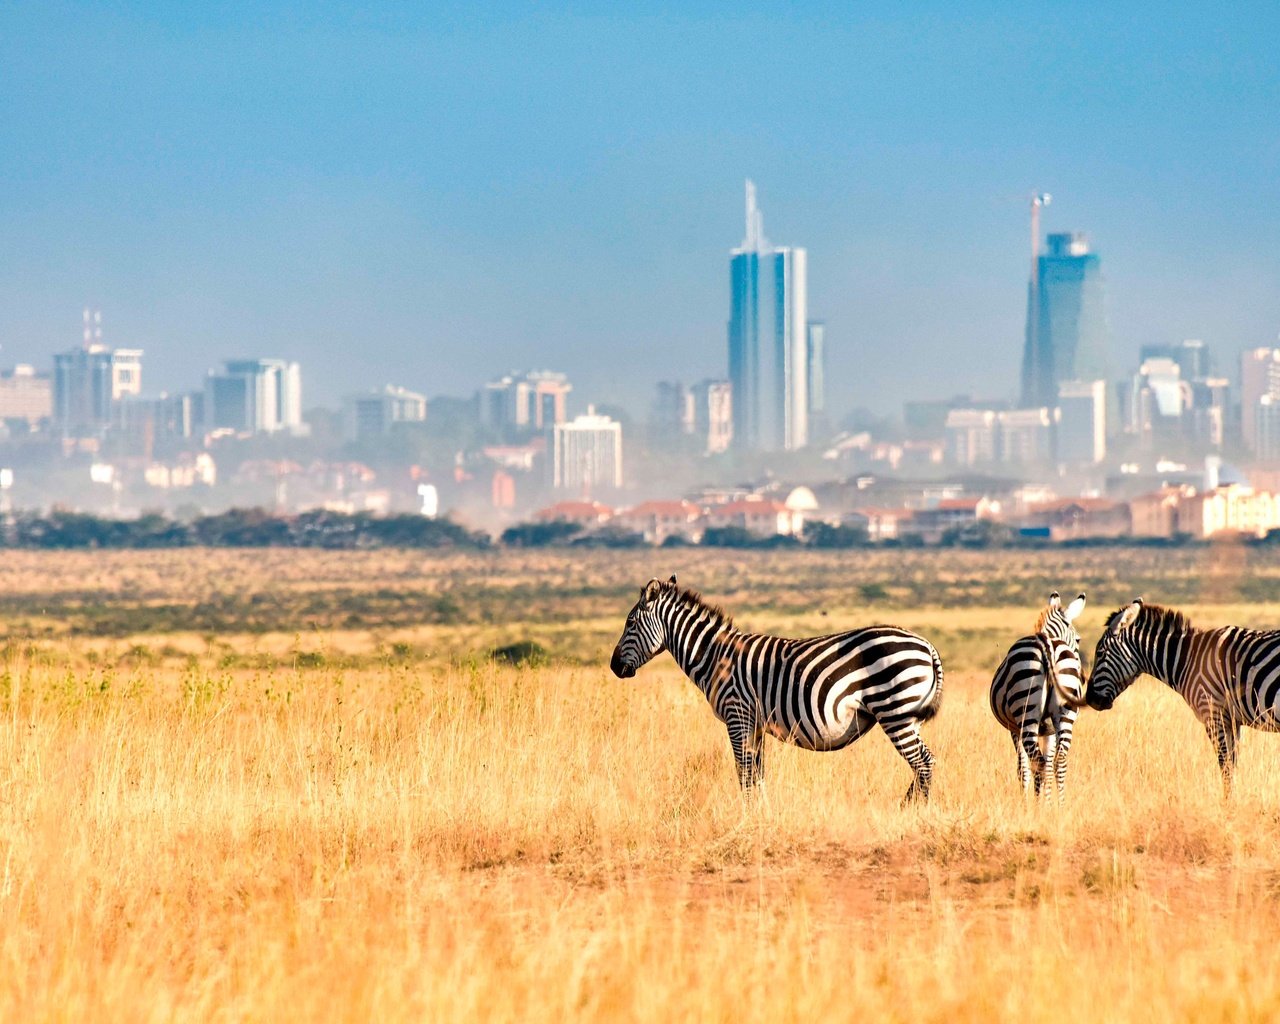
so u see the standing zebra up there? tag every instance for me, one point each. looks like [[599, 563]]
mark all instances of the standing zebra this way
[[820, 693], [1037, 691], [1230, 676]]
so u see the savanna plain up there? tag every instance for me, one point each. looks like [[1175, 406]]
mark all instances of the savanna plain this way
[[281, 785]]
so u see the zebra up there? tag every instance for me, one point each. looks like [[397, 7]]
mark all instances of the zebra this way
[[1230, 677], [1037, 690], [820, 693]]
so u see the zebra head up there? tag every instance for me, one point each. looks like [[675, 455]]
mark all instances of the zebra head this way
[[1057, 623], [1116, 662], [643, 636]]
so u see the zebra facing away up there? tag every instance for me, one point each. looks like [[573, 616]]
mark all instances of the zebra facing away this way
[[820, 693], [1037, 691], [1230, 677]]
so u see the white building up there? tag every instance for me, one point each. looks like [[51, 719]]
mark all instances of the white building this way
[[254, 396], [1025, 435], [713, 414], [374, 413], [586, 453], [1082, 421], [971, 436], [1259, 377]]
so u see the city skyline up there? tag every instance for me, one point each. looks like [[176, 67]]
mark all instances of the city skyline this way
[[322, 184]]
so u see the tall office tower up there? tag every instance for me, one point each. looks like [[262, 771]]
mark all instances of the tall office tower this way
[[1082, 422], [255, 396], [768, 343], [1191, 355], [672, 415], [375, 413], [586, 453], [1259, 377], [817, 344], [523, 402], [1066, 320], [88, 381], [713, 414]]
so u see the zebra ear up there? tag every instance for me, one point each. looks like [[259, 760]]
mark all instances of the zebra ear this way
[[651, 590], [1128, 616], [1075, 608], [1055, 602], [672, 581]]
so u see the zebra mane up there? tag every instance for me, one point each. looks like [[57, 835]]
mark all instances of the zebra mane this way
[[1043, 618], [692, 599], [1155, 614]]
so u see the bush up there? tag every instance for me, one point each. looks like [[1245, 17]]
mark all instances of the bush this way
[[539, 535], [522, 652]]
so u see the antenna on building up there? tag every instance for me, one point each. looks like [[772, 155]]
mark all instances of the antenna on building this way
[[754, 241], [92, 326]]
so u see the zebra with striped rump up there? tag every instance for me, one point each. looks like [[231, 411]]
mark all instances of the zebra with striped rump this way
[[1037, 691], [820, 693], [1230, 677]]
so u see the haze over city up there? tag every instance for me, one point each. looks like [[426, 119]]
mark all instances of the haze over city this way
[[436, 198]]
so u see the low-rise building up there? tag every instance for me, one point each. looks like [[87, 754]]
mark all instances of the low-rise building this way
[[658, 520]]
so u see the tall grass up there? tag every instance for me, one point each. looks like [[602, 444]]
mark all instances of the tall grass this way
[[462, 842]]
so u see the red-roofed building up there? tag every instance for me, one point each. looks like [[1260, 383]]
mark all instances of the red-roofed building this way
[[585, 513], [880, 523], [1074, 518], [761, 516], [658, 520]]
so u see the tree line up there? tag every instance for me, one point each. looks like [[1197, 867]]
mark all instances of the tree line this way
[[236, 528]]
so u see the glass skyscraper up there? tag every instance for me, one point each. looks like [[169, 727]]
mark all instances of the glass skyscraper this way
[[1066, 321], [768, 343]]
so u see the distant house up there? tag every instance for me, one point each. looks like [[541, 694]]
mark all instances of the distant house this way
[[763, 517], [584, 513], [949, 514], [1077, 518], [1156, 514], [880, 523], [658, 520]]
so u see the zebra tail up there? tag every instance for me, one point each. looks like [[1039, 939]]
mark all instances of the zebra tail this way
[[935, 703], [1065, 696]]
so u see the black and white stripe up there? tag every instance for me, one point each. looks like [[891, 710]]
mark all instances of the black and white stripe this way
[[1230, 677], [1037, 690], [820, 693]]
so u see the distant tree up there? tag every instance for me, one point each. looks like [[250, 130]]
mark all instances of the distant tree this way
[[539, 535], [824, 535]]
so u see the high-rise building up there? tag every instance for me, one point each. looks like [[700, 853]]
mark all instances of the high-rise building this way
[[713, 414], [88, 381], [1066, 321], [673, 411], [586, 453], [817, 344], [1259, 376], [375, 413], [768, 340], [254, 396], [25, 395], [971, 436], [524, 402], [1265, 440], [1082, 421]]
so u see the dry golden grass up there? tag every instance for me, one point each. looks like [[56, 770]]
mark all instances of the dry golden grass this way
[[428, 839]]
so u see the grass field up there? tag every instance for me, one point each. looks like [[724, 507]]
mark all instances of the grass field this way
[[281, 785]]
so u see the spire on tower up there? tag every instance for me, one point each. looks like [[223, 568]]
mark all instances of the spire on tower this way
[[754, 241]]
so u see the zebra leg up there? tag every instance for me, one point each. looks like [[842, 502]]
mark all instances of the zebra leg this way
[[747, 740], [905, 737], [1049, 762], [1024, 764], [1225, 736], [1034, 755], [1060, 762]]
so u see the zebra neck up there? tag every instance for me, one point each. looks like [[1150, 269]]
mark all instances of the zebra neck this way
[[1166, 657], [698, 645]]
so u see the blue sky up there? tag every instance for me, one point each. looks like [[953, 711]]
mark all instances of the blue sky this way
[[432, 198]]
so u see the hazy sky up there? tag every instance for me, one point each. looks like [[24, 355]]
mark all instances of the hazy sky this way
[[430, 199]]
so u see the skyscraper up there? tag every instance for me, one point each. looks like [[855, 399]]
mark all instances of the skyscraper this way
[[1066, 320], [768, 342], [254, 396], [90, 380]]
